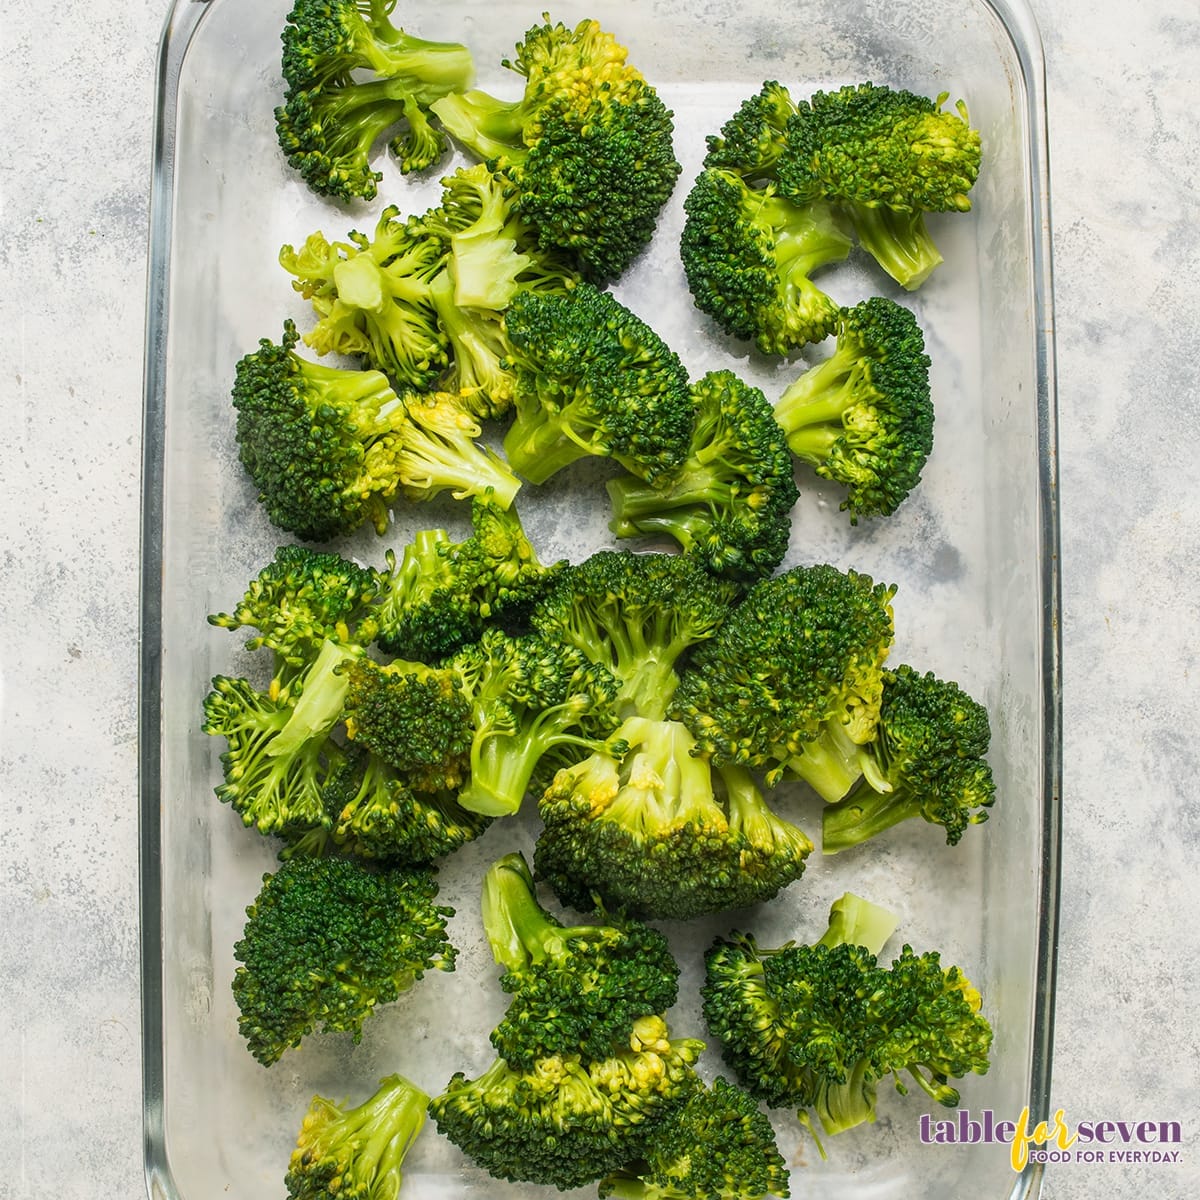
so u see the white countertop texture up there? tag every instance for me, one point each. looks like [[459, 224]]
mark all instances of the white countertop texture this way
[[76, 126]]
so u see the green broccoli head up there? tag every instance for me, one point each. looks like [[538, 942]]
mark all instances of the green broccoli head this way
[[313, 439], [748, 254], [659, 834], [885, 157], [637, 615], [566, 1122], [301, 598], [729, 504], [376, 812], [353, 77], [372, 297], [529, 698], [863, 417], [588, 145], [592, 378], [926, 760], [718, 1146], [326, 941], [358, 1153], [412, 716], [752, 141], [576, 990], [793, 680]]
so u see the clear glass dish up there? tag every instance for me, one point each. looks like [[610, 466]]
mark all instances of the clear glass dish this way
[[973, 552]]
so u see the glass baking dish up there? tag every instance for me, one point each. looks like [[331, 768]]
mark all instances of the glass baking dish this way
[[973, 553]]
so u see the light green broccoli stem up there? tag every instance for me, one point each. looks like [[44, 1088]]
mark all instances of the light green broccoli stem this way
[[489, 128], [898, 241], [812, 409], [830, 763], [854, 921], [541, 442], [863, 814], [749, 814], [842, 1106], [321, 702], [807, 238], [364, 391], [435, 458], [503, 759]]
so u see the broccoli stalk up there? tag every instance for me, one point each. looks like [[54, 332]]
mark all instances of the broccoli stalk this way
[[351, 1152]]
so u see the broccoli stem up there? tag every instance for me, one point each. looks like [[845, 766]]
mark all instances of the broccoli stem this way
[[854, 921], [898, 241], [830, 762], [321, 702], [862, 814], [539, 444], [807, 238], [812, 409], [749, 814], [517, 927], [488, 127], [842, 1106], [682, 510]]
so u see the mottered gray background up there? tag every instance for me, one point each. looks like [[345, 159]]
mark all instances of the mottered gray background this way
[[75, 125]]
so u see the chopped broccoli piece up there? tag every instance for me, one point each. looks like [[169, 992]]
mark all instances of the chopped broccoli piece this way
[[748, 254], [576, 989], [332, 116], [345, 1153], [753, 140], [588, 144], [718, 1146], [592, 378], [566, 1122], [326, 941], [926, 760], [793, 680], [863, 417], [661, 833], [728, 504]]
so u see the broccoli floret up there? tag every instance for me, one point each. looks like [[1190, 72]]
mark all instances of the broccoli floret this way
[[412, 716], [592, 378], [332, 115], [279, 750], [588, 145], [817, 1026], [373, 299], [748, 254], [863, 417], [358, 1153], [752, 141], [885, 158], [793, 680], [566, 1122], [661, 833], [576, 989], [637, 615], [926, 760], [328, 940], [729, 504], [301, 598], [718, 1146], [441, 593], [375, 812], [528, 697]]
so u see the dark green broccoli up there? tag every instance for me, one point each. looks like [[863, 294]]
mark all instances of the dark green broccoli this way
[[718, 1146], [334, 112], [748, 254], [661, 833], [442, 593], [753, 140], [863, 416], [566, 1122], [884, 157], [729, 504], [588, 145], [637, 615], [328, 940], [592, 378], [358, 1153], [926, 760], [413, 717], [528, 697], [375, 812], [300, 599], [577, 989], [330, 448], [815, 1027], [792, 682], [279, 750]]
